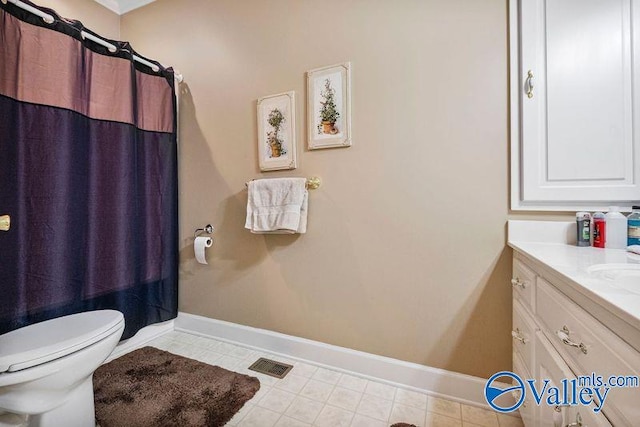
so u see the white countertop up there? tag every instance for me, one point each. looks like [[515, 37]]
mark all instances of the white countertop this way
[[558, 253]]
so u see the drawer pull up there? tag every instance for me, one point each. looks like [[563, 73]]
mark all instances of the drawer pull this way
[[516, 282], [563, 334], [517, 335], [529, 84]]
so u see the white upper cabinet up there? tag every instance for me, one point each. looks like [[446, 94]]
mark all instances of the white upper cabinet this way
[[575, 103]]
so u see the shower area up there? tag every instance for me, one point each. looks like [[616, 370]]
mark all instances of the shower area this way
[[88, 174]]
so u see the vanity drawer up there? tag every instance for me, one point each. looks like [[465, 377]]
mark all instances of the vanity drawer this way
[[523, 335], [523, 284], [589, 347]]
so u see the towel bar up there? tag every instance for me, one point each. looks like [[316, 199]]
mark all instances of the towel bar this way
[[313, 183]]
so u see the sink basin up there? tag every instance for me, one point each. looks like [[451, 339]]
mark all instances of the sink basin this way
[[622, 276]]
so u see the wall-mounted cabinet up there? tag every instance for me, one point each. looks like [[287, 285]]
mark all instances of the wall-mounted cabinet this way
[[575, 103]]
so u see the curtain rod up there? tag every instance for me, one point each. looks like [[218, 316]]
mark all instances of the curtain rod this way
[[85, 35]]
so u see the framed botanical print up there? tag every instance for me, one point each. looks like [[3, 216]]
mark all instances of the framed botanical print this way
[[329, 106], [277, 132]]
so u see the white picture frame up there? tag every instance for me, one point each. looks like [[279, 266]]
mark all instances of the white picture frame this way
[[329, 106], [277, 132]]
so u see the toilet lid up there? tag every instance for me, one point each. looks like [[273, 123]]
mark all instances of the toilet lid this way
[[45, 341]]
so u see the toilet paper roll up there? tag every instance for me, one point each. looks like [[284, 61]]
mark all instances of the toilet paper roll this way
[[199, 245]]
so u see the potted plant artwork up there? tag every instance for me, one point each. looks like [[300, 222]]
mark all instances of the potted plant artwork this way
[[329, 107], [277, 132], [328, 112], [274, 141]]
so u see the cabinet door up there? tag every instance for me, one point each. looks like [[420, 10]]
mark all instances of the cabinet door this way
[[528, 409], [551, 366], [578, 113]]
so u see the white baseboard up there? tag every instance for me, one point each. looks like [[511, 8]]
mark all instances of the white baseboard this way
[[438, 382], [142, 337]]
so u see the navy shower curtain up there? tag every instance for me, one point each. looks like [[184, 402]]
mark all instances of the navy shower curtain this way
[[88, 174]]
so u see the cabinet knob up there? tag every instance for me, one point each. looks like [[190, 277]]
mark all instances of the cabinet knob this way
[[517, 282], [5, 222]]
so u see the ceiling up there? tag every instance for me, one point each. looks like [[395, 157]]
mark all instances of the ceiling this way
[[123, 6]]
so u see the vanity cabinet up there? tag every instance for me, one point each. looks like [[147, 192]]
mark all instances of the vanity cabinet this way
[[575, 100], [555, 338]]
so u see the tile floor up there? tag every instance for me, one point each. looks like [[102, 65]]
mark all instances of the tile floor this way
[[311, 395]]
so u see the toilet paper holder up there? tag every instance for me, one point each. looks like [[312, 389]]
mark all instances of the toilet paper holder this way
[[207, 229]]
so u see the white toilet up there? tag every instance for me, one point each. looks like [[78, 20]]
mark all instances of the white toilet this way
[[46, 369]]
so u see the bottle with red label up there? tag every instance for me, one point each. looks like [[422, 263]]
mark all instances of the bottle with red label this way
[[599, 230]]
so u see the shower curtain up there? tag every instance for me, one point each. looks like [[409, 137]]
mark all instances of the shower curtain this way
[[88, 175]]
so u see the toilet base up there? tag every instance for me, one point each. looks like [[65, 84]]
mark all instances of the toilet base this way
[[13, 420], [77, 411]]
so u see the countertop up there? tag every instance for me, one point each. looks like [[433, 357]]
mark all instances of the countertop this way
[[550, 243]]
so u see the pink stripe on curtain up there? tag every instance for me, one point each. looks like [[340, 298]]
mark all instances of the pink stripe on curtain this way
[[45, 67]]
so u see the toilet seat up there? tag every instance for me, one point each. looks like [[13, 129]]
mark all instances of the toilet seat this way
[[45, 341]]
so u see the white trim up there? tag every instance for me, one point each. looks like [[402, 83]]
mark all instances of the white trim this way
[[112, 5], [439, 382], [514, 104], [123, 6], [142, 337], [129, 5]]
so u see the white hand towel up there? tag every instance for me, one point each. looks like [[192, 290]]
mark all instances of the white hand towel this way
[[277, 205]]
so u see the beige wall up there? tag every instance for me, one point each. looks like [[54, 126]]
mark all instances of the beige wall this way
[[93, 15], [405, 254]]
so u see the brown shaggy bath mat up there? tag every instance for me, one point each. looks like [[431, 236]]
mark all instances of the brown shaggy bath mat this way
[[150, 387]]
